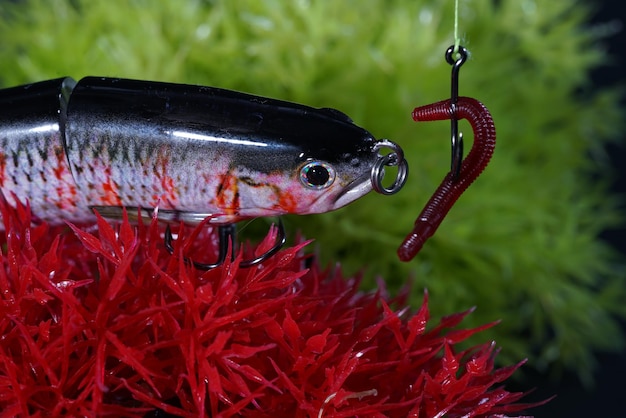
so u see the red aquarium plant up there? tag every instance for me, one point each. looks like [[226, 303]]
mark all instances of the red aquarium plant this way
[[102, 321]]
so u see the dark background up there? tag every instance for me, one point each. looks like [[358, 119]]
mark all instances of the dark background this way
[[608, 397]]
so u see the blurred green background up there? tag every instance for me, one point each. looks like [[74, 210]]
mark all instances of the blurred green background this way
[[522, 244]]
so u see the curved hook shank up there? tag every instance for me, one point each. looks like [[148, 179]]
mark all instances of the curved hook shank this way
[[227, 238], [451, 188]]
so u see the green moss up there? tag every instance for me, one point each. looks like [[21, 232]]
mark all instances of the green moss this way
[[522, 244]]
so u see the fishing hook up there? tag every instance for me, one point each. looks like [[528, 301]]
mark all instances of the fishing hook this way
[[226, 237], [456, 136]]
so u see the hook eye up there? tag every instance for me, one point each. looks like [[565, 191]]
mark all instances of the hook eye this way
[[456, 55], [393, 159]]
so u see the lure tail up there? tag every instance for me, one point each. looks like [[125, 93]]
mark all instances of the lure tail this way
[[451, 187]]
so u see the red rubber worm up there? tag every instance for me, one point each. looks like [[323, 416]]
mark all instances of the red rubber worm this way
[[451, 188]]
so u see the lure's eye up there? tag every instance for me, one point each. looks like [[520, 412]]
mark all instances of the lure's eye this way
[[317, 175]]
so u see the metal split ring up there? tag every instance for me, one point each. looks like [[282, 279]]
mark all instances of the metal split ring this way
[[394, 159]]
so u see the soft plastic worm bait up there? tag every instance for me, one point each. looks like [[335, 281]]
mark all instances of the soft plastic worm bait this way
[[192, 152], [452, 185]]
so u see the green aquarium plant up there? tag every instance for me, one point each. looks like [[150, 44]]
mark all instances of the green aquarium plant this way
[[522, 244]]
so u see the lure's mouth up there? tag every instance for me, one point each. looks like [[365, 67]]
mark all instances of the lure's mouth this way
[[354, 190]]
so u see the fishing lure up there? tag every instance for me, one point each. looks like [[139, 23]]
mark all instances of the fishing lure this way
[[194, 152], [206, 154]]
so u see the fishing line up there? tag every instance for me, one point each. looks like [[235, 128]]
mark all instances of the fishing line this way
[[457, 39]]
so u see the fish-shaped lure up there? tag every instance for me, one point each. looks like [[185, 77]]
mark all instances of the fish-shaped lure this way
[[193, 152]]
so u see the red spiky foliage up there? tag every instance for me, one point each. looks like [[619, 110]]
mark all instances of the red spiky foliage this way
[[104, 322]]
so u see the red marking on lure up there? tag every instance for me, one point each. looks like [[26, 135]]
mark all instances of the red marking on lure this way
[[60, 169], [287, 201], [111, 190], [227, 195], [451, 189]]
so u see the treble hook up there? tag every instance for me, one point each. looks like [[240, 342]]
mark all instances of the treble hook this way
[[456, 136], [226, 237]]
